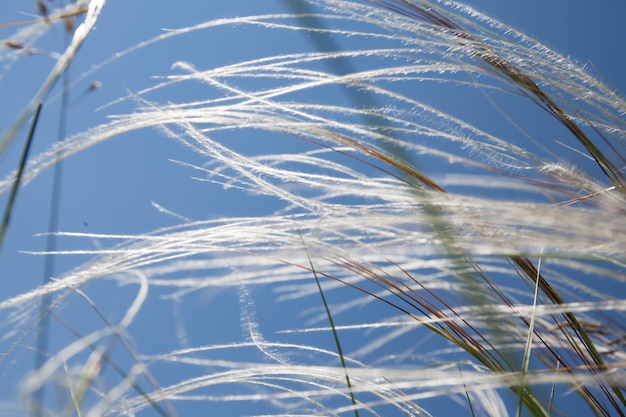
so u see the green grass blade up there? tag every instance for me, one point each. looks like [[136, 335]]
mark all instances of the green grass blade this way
[[18, 177], [334, 330], [529, 344], [469, 400]]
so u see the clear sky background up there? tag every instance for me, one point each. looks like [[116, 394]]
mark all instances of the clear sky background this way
[[111, 187]]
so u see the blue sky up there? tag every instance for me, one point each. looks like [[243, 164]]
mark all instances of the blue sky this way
[[110, 188]]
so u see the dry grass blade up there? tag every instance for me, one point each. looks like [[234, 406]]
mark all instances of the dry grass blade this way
[[62, 16]]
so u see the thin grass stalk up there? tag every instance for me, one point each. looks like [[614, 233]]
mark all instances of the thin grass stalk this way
[[334, 331], [103, 357], [529, 343], [18, 177], [467, 395]]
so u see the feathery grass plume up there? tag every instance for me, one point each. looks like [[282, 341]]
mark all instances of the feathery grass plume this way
[[93, 10], [427, 220]]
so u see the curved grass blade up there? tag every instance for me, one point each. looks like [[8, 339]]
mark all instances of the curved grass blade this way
[[18, 178]]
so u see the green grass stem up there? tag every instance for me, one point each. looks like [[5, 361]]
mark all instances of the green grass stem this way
[[334, 330], [18, 177]]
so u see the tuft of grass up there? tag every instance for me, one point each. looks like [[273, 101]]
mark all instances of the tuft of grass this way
[[475, 265]]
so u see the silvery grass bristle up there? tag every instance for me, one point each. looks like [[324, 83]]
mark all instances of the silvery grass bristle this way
[[477, 287]]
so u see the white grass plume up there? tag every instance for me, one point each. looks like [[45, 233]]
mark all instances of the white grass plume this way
[[442, 252], [80, 34]]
